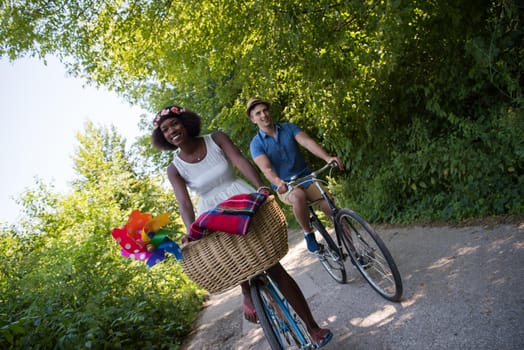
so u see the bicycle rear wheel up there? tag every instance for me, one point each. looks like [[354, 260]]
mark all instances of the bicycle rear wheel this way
[[282, 327], [369, 254], [331, 258]]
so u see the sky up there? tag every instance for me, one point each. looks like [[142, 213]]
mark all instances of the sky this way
[[41, 111]]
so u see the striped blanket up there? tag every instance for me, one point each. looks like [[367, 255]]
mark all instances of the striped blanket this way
[[232, 216]]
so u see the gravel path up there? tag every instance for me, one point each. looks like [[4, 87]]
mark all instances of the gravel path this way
[[463, 289]]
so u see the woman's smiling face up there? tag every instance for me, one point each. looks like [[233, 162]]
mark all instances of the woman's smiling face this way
[[173, 131]]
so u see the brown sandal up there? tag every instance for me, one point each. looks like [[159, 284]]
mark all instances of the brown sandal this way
[[250, 314]]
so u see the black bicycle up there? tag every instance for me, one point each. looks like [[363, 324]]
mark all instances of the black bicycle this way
[[352, 237]]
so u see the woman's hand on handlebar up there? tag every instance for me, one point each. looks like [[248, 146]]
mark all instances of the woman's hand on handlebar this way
[[265, 190]]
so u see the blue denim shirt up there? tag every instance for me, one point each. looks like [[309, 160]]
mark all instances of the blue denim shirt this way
[[283, 152]]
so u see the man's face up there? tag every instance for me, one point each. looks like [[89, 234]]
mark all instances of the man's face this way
[[260, 115]]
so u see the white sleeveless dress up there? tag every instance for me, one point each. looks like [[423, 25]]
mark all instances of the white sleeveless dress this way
[[212, 179]]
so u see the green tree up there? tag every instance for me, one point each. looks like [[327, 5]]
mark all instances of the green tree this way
[[67, 286], [416, 96]]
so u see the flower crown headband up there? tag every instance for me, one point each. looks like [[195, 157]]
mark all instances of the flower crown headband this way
[[166, 111]]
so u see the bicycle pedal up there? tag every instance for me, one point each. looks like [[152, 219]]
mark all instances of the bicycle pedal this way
[[321, 252], [336, 257], [364, 261]]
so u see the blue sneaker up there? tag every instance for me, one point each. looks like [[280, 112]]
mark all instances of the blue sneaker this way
[[312, 245]]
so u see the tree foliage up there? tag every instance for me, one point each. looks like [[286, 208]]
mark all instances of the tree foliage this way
[[66, 285], [390, 86], [422, 99]]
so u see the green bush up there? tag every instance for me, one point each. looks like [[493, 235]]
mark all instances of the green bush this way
[[84, 294], [66, 286], [449, 145]]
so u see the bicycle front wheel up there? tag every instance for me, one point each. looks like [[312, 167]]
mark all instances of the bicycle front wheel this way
[[369, 254], [282, 327]]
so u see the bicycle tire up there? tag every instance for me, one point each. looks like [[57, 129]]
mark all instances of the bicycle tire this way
[[332, 259], [275, 321], [369, 254]]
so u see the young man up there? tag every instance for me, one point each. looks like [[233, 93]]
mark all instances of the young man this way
[[275, 149]]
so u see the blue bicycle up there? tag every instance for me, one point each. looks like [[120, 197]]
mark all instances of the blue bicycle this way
[[219, 261], [282, 327]]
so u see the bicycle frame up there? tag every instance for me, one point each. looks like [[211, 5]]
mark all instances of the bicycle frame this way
[[276, 308], [284, 306], [313, 177]]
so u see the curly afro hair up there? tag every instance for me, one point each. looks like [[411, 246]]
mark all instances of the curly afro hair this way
[[189, 119]]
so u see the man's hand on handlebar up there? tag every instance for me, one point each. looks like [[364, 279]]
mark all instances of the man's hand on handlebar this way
[[282, 187], [336, 160]]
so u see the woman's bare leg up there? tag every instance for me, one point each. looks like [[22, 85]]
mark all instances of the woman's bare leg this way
[[247, 304]]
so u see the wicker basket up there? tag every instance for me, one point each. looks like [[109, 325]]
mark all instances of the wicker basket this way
[[220, 261]]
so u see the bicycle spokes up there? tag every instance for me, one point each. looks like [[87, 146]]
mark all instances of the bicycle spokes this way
[[370, 255]]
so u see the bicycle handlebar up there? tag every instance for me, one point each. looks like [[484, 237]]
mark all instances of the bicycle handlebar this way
[[332, 164], [296, 181]]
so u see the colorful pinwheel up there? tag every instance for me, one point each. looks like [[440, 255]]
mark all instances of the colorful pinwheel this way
[[143, 238]]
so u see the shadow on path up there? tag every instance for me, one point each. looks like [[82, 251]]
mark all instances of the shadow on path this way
[[463, 289]]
